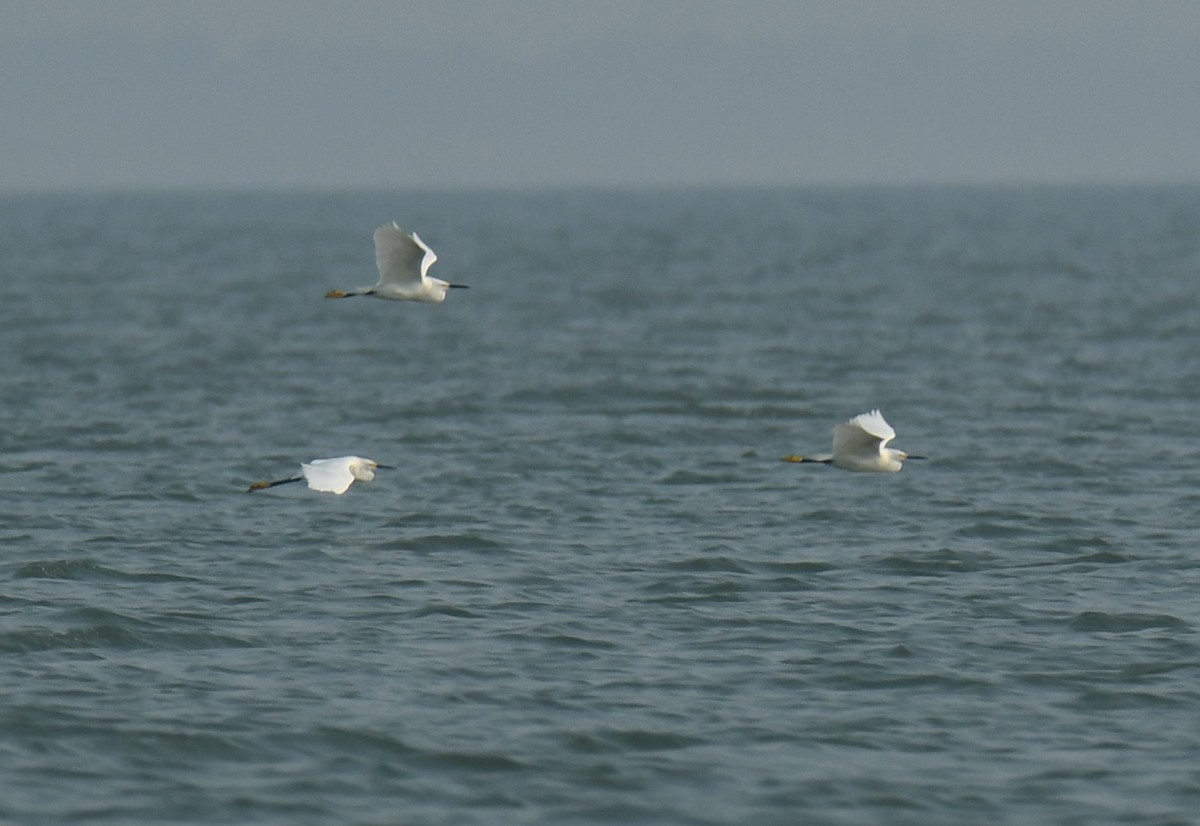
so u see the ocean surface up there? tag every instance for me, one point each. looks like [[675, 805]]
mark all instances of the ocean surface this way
[[591, 592]]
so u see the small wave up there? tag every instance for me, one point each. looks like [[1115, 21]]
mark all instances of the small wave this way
[[999, 527], [117, 633], [473, 761], [787, 584], [432, 543], [446, 611], [572, 641], [363, 742], [44, 639], [709, 563], [936, 563], [692, 477], [1103, 699], [803, 567], [1121, 623], [690, 591], [86, 569], [1101, 558], [607, 741]]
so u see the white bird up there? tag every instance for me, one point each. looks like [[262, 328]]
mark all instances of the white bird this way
[[861, 445], [404, 261], [330, 475]]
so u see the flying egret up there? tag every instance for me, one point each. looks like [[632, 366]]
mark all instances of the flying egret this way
[[330, 475], [404, 261], [861, 445]]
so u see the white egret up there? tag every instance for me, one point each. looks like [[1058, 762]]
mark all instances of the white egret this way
[[861, 445], [404, 261], [330, 475]]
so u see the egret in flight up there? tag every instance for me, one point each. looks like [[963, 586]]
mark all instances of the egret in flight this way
[[404, 261], [330, 475], [861, 445]]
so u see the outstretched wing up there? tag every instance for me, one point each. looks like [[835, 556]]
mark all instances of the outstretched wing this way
[[430, 255], [402, 257], [864, 434], [329, 475]]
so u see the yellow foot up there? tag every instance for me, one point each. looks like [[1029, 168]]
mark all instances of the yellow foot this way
[[794, 458], [258, 486], [336, 294]]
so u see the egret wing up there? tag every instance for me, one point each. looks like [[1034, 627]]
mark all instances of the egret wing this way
[[875, 424], [329, 475], [864, 434], [402, 258], [430, 255]]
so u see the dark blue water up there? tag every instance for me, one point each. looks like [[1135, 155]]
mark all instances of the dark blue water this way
[[592, 593]]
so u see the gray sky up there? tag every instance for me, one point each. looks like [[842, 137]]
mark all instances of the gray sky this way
[[252, 93]]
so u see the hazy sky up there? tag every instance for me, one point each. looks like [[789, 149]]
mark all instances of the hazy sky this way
[[252, 93]]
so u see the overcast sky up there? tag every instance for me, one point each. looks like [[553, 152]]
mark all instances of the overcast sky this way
[[285, 93]]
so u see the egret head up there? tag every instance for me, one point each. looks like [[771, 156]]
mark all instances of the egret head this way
[[363, 470]]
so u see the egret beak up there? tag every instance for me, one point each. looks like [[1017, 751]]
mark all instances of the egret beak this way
[[458, 286], [385, 467], [910, 456]]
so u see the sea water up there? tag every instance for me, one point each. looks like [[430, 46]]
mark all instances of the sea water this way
[[590, 592]]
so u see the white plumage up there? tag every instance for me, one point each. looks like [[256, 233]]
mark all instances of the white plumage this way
[[403, 260], [330, 475], [860, 444]]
